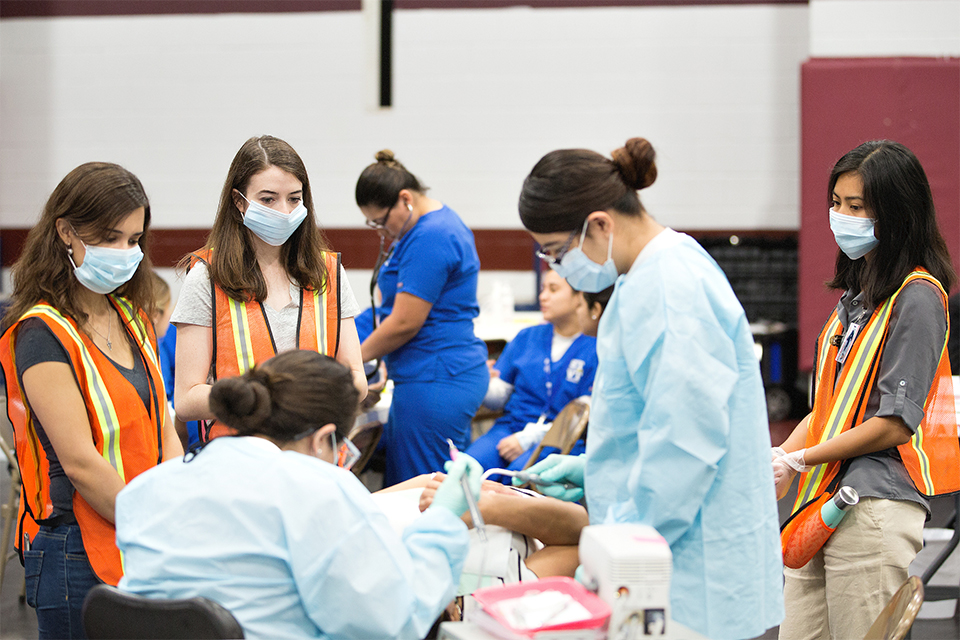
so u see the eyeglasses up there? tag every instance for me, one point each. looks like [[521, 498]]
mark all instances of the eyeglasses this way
[[379, 223], [558, 255]]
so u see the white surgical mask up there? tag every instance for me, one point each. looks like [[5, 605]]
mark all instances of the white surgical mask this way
[[855, 236], [104, 270], [582, 273], [271, 226]]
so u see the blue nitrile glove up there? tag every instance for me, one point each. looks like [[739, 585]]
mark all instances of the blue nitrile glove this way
[[450, 492], [560, 468]]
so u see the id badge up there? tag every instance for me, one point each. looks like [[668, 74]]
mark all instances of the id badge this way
[[848, 339]]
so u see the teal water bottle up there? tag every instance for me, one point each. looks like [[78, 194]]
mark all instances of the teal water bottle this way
[[833, 510]]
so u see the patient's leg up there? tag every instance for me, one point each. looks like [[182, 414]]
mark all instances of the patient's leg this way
[[558, 560]]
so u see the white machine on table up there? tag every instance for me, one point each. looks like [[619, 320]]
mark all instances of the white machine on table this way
[[630, 566]]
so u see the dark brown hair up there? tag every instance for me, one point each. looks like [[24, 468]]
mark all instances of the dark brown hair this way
[[233, 265], [567, 185], [93, 198], [897, 194], [289, 394], [380, 183]]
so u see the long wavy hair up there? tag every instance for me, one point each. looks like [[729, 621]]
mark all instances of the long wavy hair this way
[[93, 198], [897, 194], [233, 265]]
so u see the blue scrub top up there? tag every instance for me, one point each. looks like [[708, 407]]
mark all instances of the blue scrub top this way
[[525, 363], [436, 260], [679, 437]]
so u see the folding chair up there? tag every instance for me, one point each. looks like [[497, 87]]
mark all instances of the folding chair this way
[[9, 508], [111, 614], [365, 437], [568, 427], [897, 617]]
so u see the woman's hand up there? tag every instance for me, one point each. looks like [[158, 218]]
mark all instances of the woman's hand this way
[[510, 448]]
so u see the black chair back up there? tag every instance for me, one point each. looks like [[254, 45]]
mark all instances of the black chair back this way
[[111, 614]]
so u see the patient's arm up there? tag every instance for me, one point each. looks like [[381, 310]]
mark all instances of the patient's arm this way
[[551, 521]]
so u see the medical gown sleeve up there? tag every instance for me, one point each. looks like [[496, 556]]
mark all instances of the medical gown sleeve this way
[[370, 584], [685, 367]]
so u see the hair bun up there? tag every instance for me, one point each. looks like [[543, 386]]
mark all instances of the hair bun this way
[[385, 155], [242, 403], [635, 162]]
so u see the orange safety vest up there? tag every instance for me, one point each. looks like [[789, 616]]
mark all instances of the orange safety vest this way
[[127, 434], [243, 337], [932, 456]]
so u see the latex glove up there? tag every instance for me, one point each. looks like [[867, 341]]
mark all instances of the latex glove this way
[[785, 467], [560, 468], [777, 452], [450, 493]]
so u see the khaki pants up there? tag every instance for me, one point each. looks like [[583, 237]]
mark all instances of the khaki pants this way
[[842, 590]]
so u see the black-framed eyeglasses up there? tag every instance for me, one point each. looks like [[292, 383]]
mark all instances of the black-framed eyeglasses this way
[[379, 223], [555, 259]]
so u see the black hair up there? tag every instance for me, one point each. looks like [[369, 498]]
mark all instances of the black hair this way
[[896, 193], [380, 183], [567, 185], [287, 395]]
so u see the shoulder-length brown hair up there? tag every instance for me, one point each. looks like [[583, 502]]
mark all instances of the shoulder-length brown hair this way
[[233, 264], [93, 198]]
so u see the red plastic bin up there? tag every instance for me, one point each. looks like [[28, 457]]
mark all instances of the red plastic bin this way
[[598, 609]]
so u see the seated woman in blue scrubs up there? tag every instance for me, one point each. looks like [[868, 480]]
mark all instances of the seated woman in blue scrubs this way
[[265, 524], [428, 282], [541, 370]]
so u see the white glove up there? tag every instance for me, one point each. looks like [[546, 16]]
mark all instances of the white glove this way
[[777, 452], [785, 467], [795, 460]]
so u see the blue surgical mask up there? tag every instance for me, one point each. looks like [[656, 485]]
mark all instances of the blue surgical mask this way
[[582, 273], [104, 270], [855, 236], [273, 227]]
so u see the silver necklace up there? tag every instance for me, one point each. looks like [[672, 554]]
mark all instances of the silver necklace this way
[[109, 331]]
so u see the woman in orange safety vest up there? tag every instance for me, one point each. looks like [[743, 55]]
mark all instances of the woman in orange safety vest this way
[[265, 282], [85, 394], [883, 420]]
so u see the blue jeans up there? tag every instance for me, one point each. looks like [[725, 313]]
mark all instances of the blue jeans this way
[[58, 577]]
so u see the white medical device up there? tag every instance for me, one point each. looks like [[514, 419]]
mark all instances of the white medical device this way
[[630, 566]]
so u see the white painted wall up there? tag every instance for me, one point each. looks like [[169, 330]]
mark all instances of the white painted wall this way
[[866, 28], [479, 96]]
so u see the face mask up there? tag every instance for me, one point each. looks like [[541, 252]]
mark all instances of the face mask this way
[[854, 235], [271, 226], [583, 273], [104, 270]]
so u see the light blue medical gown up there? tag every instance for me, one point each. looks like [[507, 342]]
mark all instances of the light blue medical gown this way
[[292, 546], [679, 437]]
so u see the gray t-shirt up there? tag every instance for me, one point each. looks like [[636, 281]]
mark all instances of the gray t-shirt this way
[[194, 306], [908, 364]]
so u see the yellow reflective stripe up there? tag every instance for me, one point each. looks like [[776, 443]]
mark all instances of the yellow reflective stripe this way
[[133, 318], [320, 316], [100, 399], [243, 345], [845, 399]]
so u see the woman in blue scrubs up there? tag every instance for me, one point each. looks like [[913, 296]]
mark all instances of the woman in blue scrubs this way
[[539, 372], [428, 284], [678, 434]]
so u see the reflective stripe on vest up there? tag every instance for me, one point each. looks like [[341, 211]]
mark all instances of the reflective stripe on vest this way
[[125, 432], [242, 335], [840, 406]]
